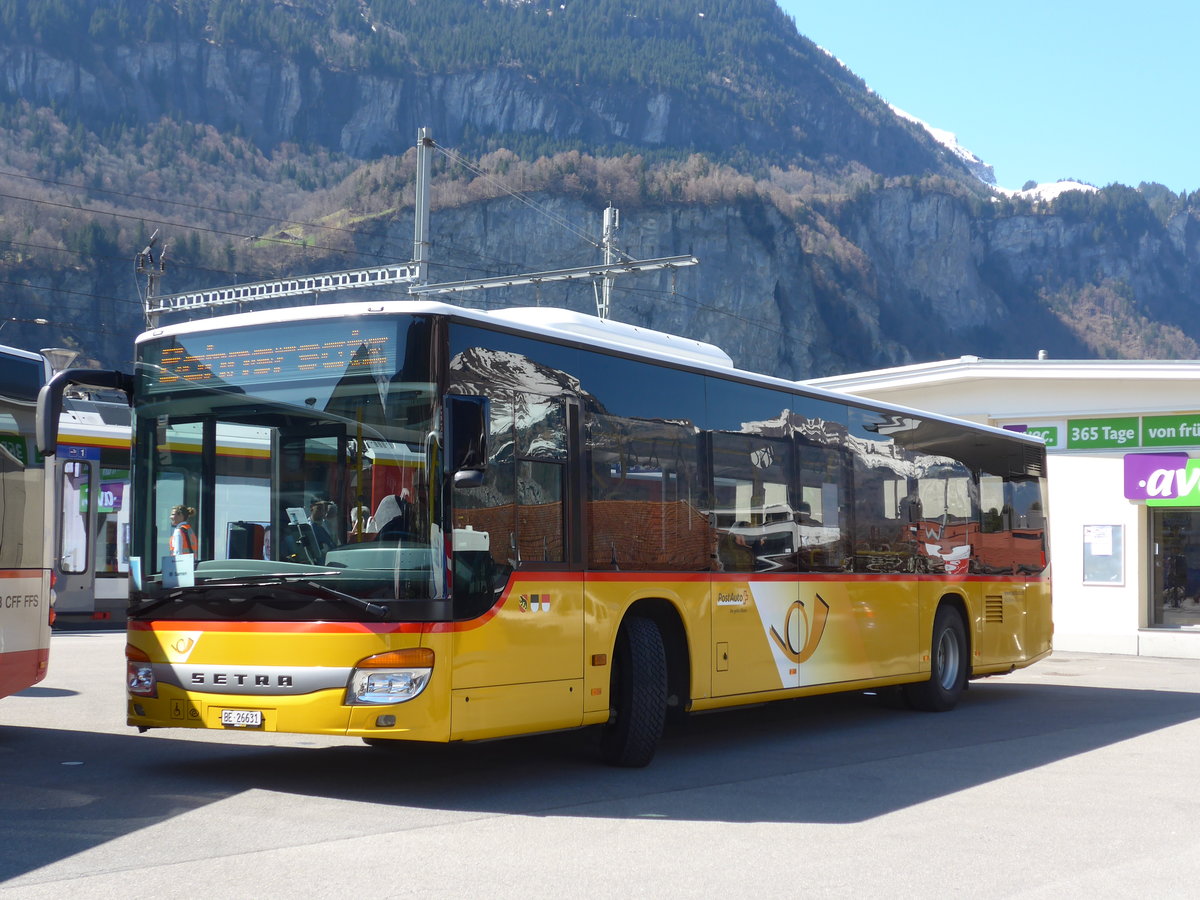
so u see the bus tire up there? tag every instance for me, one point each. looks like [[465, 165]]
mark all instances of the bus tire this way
[[947, 665], [638, 695]]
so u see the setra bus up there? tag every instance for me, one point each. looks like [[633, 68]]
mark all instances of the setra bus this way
[[26, 612], [421, 522]]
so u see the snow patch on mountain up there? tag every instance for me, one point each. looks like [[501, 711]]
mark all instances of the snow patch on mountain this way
[[1050, 190], [949, 140], [982, 171]]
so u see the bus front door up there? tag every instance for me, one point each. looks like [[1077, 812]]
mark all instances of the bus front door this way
[[75, 481]]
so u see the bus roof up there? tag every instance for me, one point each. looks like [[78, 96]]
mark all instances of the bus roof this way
[[567, 326]]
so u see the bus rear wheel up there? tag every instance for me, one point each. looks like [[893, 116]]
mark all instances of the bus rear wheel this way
[[947, 665], [638, 695]]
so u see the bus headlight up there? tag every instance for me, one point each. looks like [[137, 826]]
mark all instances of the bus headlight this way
[[139, 673], [392, 677]]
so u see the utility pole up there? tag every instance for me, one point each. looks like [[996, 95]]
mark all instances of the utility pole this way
[[144, 264], [414, 274], [612, 221], [421, 207]]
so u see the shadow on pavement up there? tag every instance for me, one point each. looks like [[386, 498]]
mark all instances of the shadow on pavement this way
[[837, 759]]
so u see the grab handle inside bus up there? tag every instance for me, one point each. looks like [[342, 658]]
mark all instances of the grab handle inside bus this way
[[50, 399]]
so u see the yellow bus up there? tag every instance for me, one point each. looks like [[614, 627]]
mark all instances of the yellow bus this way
[[26, 612], [421, 522]]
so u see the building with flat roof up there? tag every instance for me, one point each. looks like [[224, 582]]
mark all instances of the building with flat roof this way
[[1123, 447]]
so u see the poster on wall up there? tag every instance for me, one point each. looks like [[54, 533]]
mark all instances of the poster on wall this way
[[1104, 554]]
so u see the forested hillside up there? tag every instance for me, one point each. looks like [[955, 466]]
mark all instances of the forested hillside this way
[[275, 138]]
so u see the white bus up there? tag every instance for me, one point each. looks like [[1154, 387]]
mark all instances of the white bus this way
[[90, 484], [26, 612]]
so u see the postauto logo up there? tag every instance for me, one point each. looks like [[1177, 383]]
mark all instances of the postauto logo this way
[[1162, 479]]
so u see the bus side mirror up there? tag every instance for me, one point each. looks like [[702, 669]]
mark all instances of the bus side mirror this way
[[50, 399], [466, 439]]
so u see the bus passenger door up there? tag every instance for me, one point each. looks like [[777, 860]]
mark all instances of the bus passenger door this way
[[76, 479], [758, 622], [518, 659]]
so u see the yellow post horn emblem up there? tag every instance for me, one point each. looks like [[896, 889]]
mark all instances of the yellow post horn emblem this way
[[813, 630]]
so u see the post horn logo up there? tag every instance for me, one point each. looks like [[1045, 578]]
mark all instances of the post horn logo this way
[[811, 634]]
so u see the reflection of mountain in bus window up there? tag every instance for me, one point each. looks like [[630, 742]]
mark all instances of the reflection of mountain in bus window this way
[[359, 394]]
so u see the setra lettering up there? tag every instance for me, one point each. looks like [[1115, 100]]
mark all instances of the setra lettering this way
[[241, 678]]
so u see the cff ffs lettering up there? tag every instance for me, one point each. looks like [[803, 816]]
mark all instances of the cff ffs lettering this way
[[15, 601]]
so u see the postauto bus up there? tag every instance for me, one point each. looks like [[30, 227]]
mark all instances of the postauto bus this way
[[420, 522]]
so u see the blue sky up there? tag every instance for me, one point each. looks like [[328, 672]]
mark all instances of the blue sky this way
[[1098, 91]]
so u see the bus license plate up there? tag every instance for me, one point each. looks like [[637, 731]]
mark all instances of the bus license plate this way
[[241, 718]]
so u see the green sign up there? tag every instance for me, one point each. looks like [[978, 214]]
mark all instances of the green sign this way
[[1048, 433], [1103, 434], [15, 446], [1171, 431], [1183, 483]]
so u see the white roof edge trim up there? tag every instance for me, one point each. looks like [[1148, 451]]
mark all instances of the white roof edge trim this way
[[21, 354], [617, 334], [304, 314], [549, 321]]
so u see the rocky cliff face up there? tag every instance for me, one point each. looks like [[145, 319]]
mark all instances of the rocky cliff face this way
[[876, 269], [920, 277], [911, 276], [272, 100]]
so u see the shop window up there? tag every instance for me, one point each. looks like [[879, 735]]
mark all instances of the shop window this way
[[1175, 587]]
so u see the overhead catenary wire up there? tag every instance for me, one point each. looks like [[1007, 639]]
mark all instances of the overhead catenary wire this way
[[153, 221], [518, 196], [452, 156], [284, 223], [274, 220], [249, 237]]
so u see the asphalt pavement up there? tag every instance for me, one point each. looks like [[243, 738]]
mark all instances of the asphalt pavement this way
[[1068, 779]]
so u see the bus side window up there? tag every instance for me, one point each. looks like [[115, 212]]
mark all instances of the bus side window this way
[[541, 448], [641, 504], [756, 524], [821, 529]]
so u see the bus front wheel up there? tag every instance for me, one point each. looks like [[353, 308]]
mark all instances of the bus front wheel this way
[[947, 665], [638, 695]]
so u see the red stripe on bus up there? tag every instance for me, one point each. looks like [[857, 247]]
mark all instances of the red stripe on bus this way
[[21, 668], [561, 578], [282, 627]]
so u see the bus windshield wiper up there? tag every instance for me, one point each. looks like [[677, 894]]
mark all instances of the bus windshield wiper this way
[[378, 610], [177, 594]]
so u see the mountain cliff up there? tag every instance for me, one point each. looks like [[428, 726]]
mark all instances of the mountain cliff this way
[[274, 138]]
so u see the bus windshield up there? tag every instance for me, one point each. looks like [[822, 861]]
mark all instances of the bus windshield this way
[[291, 465]]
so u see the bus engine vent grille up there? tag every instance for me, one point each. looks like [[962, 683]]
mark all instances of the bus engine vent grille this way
[[993, 609], [1035, 462]]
